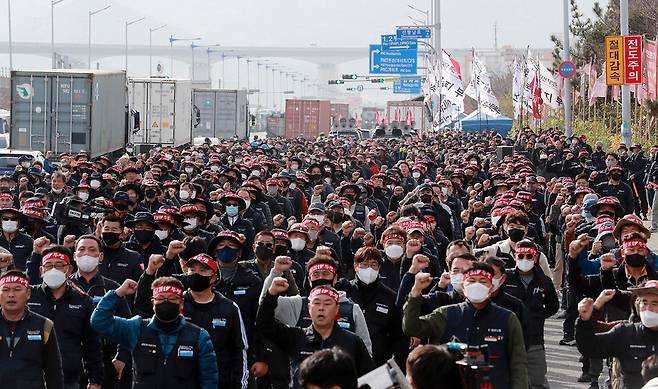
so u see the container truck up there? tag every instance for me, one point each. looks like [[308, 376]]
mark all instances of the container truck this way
[[307, 118], [161, 112], [68, 111], [220, 113], [276, 126]]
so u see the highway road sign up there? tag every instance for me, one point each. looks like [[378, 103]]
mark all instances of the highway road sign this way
[[392, 61], [407, 86], [567, 69], [414, 32], [392, 42], [359, 88]]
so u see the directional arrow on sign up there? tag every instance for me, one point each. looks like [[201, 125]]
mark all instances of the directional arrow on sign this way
[[372, 59]]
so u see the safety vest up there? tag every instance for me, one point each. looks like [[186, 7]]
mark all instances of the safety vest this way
[[178, 370]]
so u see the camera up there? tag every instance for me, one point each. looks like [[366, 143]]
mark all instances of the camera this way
[[474, 366], [72, 211]]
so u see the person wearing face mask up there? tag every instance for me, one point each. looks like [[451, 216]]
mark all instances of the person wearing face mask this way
[[58, 187], [35, 223], [321, 270], [208, 309], [116, 360], [17, 242], [378, 304], [152, 192], [516, 228], [236, 281], [274, 192], [290, 191], [82, 191], [359, 210], [166, 339], [143, 239], [68, 307], [250, 213], [394, 242], [299, 242], [503, 299], [529, 284], [192, 227], [264, 255], [186, 193], [119, 263], [615, 187], [475, 321], [259, 202], [629, 342], [232, 220]]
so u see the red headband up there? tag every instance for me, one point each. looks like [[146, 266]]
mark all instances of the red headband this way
[[6, 195], [323, 292], [14, 279], [55, 256], [167, 289], [321, 266], [634, 243], [478, 273], [393, 236], [526, 250]]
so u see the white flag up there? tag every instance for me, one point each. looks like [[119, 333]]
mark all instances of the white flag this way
[[550, 92], [529, 70], [517, 87], [480, 90], [453, 88]]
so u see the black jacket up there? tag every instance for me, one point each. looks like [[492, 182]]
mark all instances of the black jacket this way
[[78, 342], [299, 343], [622, 191], [121, 264], [20, 247], [34, 361]]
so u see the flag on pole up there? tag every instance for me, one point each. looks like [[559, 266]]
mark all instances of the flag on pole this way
[[480, 90], [536, 97], [517, 87], [356, 120], [599, 89], [378, 118], [650, 53], [407, 119]]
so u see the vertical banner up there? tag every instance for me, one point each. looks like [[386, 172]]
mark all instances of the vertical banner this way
[[614, 60], [650, 58], [633, 59]]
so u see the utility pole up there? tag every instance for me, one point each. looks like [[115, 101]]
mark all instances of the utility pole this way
[[439, 48], [11, 54], [626, 132], [92, 13], [128, 23], [53, 3], [566, 55], [151, 30]]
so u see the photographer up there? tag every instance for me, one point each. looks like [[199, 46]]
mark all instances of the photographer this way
[[429, 364]]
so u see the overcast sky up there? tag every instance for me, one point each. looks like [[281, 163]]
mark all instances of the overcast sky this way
[[345, 23]]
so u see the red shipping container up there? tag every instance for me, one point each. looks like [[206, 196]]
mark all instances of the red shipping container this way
[[340, 111], [307, 118]]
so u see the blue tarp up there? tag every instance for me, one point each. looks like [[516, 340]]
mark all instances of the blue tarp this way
[[477, 122]]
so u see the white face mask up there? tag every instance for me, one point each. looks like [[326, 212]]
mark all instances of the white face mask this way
[[649, 319], [298, 244], [313, 235], [247, 203], [444, 191], [214, 168], [456, 281], [415, 175], [317, 218], [294, 166], [87, 263], [57, 191], [183, 195], [327, 180], [495, 220], [368, 275], [476, 292], [256, 173], [84, 196], [189, 170], [525, 265], [292, 185], [496, 283], [191, 224], [162, 234], [54, 278], [394, 251], [9, 226], [95, 184]]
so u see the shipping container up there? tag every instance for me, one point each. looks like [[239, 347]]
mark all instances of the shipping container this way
[[339, 111], [307, 118], [222, 113], [419, 114], [68, 111], [368, 117], [276, 126], [161, 111]]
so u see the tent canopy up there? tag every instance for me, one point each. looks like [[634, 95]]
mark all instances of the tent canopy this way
[[477, 122]]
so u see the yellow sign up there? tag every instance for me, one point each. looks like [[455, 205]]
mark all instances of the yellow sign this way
[[614, 60]]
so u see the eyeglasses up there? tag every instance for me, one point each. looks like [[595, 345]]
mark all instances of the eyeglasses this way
[[525, 256], [266, 244], [10, 218], [62, 266], [171, 299]]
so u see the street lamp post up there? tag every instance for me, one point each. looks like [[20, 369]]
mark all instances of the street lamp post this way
[[209, 51], [172, 39], [267, 67], [237, 57], [91, 13], [151, 31], [11, 56], [128, 24], [248, 61], [258, 83], [192, 46], [53, 3]]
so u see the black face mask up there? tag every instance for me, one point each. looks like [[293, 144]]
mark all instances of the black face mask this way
[[281, 251], [635, 260], [110, 238], [426, 198], [315, 177], [615, 176], [199, 283], [350, 197], [335, 217], [606, 213], [321, 282], [144, 236], [263, 252], [150, 193], [515, 234], [167, 311]]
